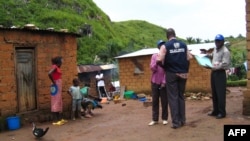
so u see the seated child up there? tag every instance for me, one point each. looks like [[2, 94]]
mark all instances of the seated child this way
[[74, 92], [89, 102], [111, 89]]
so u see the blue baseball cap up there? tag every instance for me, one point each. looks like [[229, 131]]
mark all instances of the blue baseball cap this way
[[219, 37], [160, 42]]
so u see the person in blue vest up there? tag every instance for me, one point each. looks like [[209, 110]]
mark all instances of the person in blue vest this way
[[174, 58]]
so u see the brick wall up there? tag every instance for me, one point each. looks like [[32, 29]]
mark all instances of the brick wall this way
[[246, 94], [199, 78], [7, 77], [198, 81], [47, 45], [140, 83]]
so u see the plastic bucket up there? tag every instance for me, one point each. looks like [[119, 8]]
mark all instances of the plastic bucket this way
[[13, 122]]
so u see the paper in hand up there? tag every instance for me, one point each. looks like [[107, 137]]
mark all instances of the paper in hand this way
[[204, 61]]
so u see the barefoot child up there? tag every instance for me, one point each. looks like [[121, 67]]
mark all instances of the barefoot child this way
[[74, 91]]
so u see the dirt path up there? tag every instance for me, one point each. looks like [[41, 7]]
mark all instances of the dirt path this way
[[129, 123]]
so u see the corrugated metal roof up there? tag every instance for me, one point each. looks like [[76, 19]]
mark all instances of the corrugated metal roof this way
[[146, 51], [194, 48], [92, 68], [88, 68], [108, 66], [39, 31]]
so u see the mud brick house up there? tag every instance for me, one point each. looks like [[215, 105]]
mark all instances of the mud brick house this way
[[25, 59], [135, 73], [246, 94], [87, 73]]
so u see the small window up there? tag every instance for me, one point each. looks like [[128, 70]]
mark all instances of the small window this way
[[137, 71], [138, 66]]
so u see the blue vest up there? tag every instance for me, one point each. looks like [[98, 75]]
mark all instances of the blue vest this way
[[176, 57]]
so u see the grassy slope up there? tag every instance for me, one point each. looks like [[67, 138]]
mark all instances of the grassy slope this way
[[108, 37]]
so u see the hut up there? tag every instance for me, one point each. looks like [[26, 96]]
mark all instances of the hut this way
[[87, 73], [25, 61]]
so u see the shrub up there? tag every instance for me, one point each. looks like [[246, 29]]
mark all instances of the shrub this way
[[237, 83]]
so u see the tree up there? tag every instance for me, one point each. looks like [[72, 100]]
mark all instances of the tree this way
[[107, 54], [207, 41], [190, 40], [198, 40]]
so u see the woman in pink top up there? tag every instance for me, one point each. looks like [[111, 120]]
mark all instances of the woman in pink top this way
[[56, 99], [158, 86]]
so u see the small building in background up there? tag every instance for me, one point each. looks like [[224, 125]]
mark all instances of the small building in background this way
[[87, 73], [135, 72]]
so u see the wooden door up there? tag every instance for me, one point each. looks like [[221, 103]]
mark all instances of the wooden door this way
[[25, 76]]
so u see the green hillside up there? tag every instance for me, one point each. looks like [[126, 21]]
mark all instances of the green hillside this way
[[101, 38], [139, 33]]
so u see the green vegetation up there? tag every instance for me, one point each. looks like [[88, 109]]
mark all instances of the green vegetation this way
[[100, 36], [101, 39], [242, 82], [238, 57]]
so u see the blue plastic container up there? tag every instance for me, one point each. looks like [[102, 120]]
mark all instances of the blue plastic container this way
[[143, 99], [13, 122], [134, 96]]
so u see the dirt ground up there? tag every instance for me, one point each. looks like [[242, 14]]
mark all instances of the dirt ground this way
[[130, 123]]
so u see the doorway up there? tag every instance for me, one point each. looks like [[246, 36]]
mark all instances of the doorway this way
[[26, 76]]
